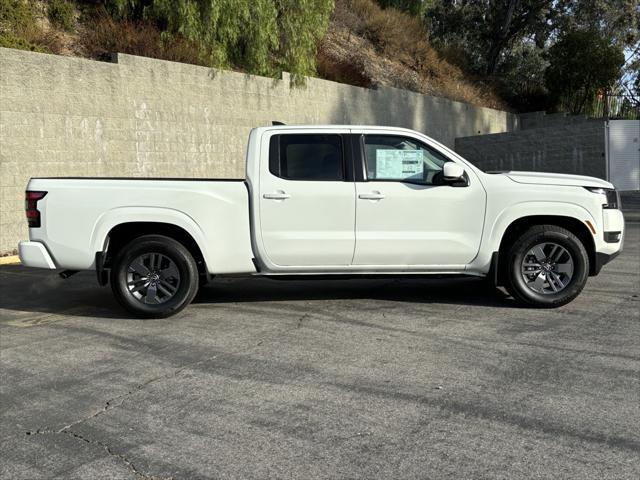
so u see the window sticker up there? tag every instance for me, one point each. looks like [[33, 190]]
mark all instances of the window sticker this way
[[399, 164]]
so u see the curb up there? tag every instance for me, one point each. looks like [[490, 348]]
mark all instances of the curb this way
[[11, 260]]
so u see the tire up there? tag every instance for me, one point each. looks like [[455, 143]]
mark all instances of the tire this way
[[154, 276], [561, 260]]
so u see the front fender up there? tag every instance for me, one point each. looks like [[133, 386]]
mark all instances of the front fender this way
[[495, 230]]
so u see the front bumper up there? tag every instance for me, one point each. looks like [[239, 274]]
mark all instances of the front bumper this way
[[610, 241], [612, 222], [35, 254]]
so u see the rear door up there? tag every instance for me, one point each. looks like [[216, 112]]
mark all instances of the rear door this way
[[307, 200]]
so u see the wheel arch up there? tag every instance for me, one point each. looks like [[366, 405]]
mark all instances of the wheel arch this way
[[119, 225], [123, 233], [578, 227]]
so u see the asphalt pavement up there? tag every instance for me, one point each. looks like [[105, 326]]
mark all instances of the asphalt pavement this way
[[321, 379]]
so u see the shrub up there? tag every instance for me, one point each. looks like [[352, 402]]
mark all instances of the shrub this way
[[350, 71], [16, 14], [391, 31], [412, 7], [61, 14], [104, 36], [405, 57], [19, 29], [261, 36]]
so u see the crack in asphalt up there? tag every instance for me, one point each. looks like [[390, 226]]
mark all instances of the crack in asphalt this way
[[301, 319], [110, 404], [107, 448]]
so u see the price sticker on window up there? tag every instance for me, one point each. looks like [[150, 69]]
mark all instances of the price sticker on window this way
[[399, 164]]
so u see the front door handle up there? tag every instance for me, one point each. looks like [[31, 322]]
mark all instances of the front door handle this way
[[276, 196], [371, 196]]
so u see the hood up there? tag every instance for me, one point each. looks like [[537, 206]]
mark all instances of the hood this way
[[540, 178]]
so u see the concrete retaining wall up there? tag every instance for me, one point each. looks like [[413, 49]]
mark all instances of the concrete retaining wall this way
[[64, 116], [541, 119], [577, 148]]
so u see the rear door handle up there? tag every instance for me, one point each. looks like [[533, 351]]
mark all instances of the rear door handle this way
[[371, 196], [276, 196]]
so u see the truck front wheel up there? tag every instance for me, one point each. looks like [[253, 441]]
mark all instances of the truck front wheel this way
[[547, 267], [154, 276]]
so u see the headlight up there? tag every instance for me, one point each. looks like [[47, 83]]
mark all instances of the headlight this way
[[613, 199]]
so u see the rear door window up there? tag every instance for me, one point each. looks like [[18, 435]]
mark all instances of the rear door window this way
[[307, 157]]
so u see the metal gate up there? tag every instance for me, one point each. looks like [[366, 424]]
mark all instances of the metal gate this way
[[623, 149]]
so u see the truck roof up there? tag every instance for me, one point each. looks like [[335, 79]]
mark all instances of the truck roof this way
[[335, 127]]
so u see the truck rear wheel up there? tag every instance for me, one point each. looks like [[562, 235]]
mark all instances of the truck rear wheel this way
[[547, 267], [154, 276]]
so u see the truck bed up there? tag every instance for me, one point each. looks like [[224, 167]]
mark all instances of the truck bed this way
[[79, 212], [177, 179]]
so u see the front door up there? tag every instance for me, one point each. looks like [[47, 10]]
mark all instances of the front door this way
[[307, 204], [407, 215]]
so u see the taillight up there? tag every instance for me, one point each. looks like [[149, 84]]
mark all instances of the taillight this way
[[31, 206]]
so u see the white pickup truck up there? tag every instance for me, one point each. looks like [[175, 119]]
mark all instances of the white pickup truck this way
[[328, 200]]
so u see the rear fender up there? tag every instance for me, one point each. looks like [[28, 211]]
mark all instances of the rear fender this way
[[118, 216]]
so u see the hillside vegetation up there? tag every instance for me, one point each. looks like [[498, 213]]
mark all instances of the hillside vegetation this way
[[349, 41], [368, 46]]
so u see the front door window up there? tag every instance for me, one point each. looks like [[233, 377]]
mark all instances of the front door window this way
[[402, 159]]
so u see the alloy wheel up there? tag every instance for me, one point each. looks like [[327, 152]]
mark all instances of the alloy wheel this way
[[153, 278], [547, 268]]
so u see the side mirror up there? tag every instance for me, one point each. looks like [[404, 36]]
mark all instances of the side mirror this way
[[454, 175], [453, 172]]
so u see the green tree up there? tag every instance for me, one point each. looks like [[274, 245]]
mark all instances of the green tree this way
[[617, 20], [581, 64], [487, 29], [508, 40], [264, 37], [521, 81]]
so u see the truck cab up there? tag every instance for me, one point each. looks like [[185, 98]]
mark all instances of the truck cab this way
[[361, 200]]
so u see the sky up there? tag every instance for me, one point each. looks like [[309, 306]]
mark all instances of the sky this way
[[630, 53]]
